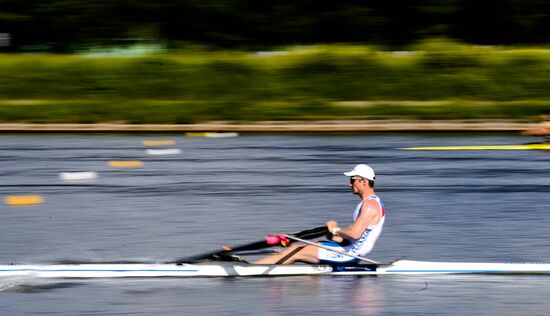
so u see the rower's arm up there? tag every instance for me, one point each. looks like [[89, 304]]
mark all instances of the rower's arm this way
[[370, 214]]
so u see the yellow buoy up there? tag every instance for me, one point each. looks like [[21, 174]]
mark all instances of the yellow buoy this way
[[195, 134], [155, 143], [20, 200], [125, 163], [486, 147]]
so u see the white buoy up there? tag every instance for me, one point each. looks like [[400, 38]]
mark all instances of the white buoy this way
[[221, 135], [159, 152], [77, 176]]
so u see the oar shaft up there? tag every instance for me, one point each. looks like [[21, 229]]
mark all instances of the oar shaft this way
[[330, 249], [307, 234]]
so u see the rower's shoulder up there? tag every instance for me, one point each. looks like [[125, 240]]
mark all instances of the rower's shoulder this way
[[372, 199], [370, 204]]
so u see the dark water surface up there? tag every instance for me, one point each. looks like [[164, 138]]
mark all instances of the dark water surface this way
[[491, 206]]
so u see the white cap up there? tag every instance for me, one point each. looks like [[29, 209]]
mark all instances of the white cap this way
[[363, 171]]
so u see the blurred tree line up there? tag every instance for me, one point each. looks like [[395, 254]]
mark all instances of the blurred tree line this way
[[67, 25]]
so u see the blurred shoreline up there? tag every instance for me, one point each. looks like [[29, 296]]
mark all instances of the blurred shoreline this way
[[283, 127], [432, 80]]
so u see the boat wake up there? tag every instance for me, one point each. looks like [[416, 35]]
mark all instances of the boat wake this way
[[33, 285]]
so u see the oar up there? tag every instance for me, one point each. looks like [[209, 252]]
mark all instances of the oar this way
[[330, 249], [306, 234]]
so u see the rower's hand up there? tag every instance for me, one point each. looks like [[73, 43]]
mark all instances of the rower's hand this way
[[331, 225]]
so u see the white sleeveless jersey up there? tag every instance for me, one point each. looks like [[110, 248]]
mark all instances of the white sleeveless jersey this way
[[364, 244], [359, 247]]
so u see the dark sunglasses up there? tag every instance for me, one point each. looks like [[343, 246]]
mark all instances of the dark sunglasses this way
[[352, 180]]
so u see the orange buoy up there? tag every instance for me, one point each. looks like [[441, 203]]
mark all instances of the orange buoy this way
[[543, 129], [21, 200], [125, 163]]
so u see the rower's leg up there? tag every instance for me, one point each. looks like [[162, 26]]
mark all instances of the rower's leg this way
[[306, 254]]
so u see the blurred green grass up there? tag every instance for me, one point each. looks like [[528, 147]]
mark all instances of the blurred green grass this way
[[433, 80]]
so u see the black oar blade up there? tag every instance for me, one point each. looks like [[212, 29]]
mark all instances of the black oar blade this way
[[216, 254], [306, 234]]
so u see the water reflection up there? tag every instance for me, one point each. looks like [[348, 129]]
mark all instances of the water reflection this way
[[363, 295]]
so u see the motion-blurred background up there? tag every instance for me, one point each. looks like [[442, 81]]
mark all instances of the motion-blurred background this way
[[173, 61]]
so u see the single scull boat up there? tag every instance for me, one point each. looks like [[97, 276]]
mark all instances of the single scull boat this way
[[235, 269], [224, 263]]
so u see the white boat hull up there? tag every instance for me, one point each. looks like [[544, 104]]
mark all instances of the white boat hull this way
[[232, 269], [157, 270], [409, 267]]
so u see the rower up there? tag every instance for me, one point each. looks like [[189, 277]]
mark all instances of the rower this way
[[357, 239]]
